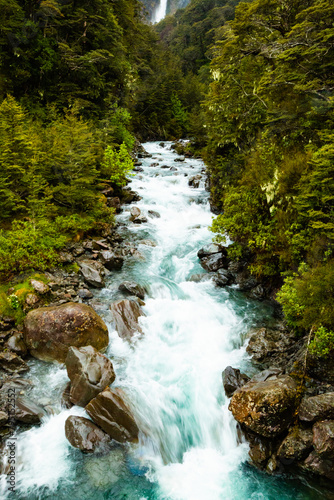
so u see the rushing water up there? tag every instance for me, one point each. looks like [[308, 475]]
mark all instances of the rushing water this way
[[160, 11], [188, 447]]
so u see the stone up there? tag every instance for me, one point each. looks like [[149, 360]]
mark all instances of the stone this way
[[66, 257], [111, 260], [245, 282], [3, 418], [319, 466], [223, 278], [89, 372], [257, 293], [65, 397], [126, 314], [85, 294], [83, 434], [31, 299], [233, 379], [50, 331], [12, 363], [198, 278], [28, 412], [128, 196], [266, 408], [100, 245], [115, 202], [213, 262], [109, 412], [132, 288], [16, 344], [148, 243], [323, 438], [319, 407], [135, 212], [210, 249], [195, 181], [153, 214], [265, 343], [141, 219], [91, 273], [296, 446]]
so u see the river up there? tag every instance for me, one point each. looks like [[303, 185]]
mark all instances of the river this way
[[188, 447]]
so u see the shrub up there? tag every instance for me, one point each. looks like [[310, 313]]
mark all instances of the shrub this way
[[117, 165], [322, 343]]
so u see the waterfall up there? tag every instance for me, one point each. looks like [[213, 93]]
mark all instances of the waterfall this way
[[160, 12]]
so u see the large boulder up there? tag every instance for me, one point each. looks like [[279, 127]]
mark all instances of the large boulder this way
[[233, 379], [28, 412], [50, 331], [323, 438], [296, 446], [265, 343], [91, 273], [84, 434], [317, 465], [319, 407], [266, 408], [213, 262], [89, 372], [223, 277], [132, 288], [112, 261], [126, 314], [109, 411], [210, 249]]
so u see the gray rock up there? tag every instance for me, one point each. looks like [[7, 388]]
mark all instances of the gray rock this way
[[12, 363], [233, 379], [91, 273], [132, 288], [213, 262], [16, 344], [198, 278], [153, 214], [265, 343], [39, 287], [317, 465], [223, 278], [141, 219], [319, 407], [209, 250], [112, 261], [85, 294], [257, 293], [28, 412]]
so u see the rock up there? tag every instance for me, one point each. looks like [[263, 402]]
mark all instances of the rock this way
[[148, 243], [31, 299], [89, 372], [321, 368], [198, 278], [319, 407], [141, 219], [108, 191], [91, 273], [233, 379], [257, 293], [173, 169], [66, 257], [266, 374], [50, 331], [28, 412], [162, 144], [65, 397], [245, 282], [319, 466], [12, 363], [109, 411], [132, 288], [195, 181], [265, 343], [84, 434], [3, 418], [138, 168], [154, 164], [153, 214], [85, 294], [260, 449], [235, 267], [209, 250], [111, 260], [115, 203], [223, 278], [266, 408], [128, 196], [126, 314], [323, 438], [179, 159], [213, 262], [16, 344], [296, 446], [135, 212]]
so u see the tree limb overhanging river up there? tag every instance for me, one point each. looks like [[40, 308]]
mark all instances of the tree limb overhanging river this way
[[188, 447]]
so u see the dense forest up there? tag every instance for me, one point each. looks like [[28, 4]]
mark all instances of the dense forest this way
[[250, 83]]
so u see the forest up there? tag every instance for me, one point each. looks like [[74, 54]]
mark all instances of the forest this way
[[250, 83]]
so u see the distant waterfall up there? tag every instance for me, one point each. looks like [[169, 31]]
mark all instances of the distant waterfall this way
[[160, 12]]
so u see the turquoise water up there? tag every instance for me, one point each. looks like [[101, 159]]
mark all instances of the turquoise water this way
[[188, 447]]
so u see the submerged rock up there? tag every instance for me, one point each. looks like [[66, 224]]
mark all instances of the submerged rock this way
[[109, 411], [84, 434], [213, 262], [266, 408], [132, 288], [50, 331], [153, 214], [90, 373], [233, 379], [126, 314], [319, 407]]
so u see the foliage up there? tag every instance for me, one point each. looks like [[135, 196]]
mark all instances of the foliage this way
[[117, 165], [323, 342]]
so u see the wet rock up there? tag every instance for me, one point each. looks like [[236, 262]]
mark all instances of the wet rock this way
[[109, 411], [198, 278], [319, 407], [12, 363], [266, 408], [148, 243], [39, 287], [233, 379], [179, 159], [213, 262], [31, 299], [115, 203], [16, 344], [65, 397], [223, 278], [141, 219], [28, 412], [153, 214], [91, 273], [296, 446], [323, 438], [155, 164], [135, 212], [84, 434], [209, 250], [266, 375], [265, 343], [132, 288], [128, 196], [138, 168], [112, 261], [195, 181], [245, 282], [260, 449], [319, 466], [257, 293], [50, 331], [173, 169], [90, 373], [85, 294], [126, 314]]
